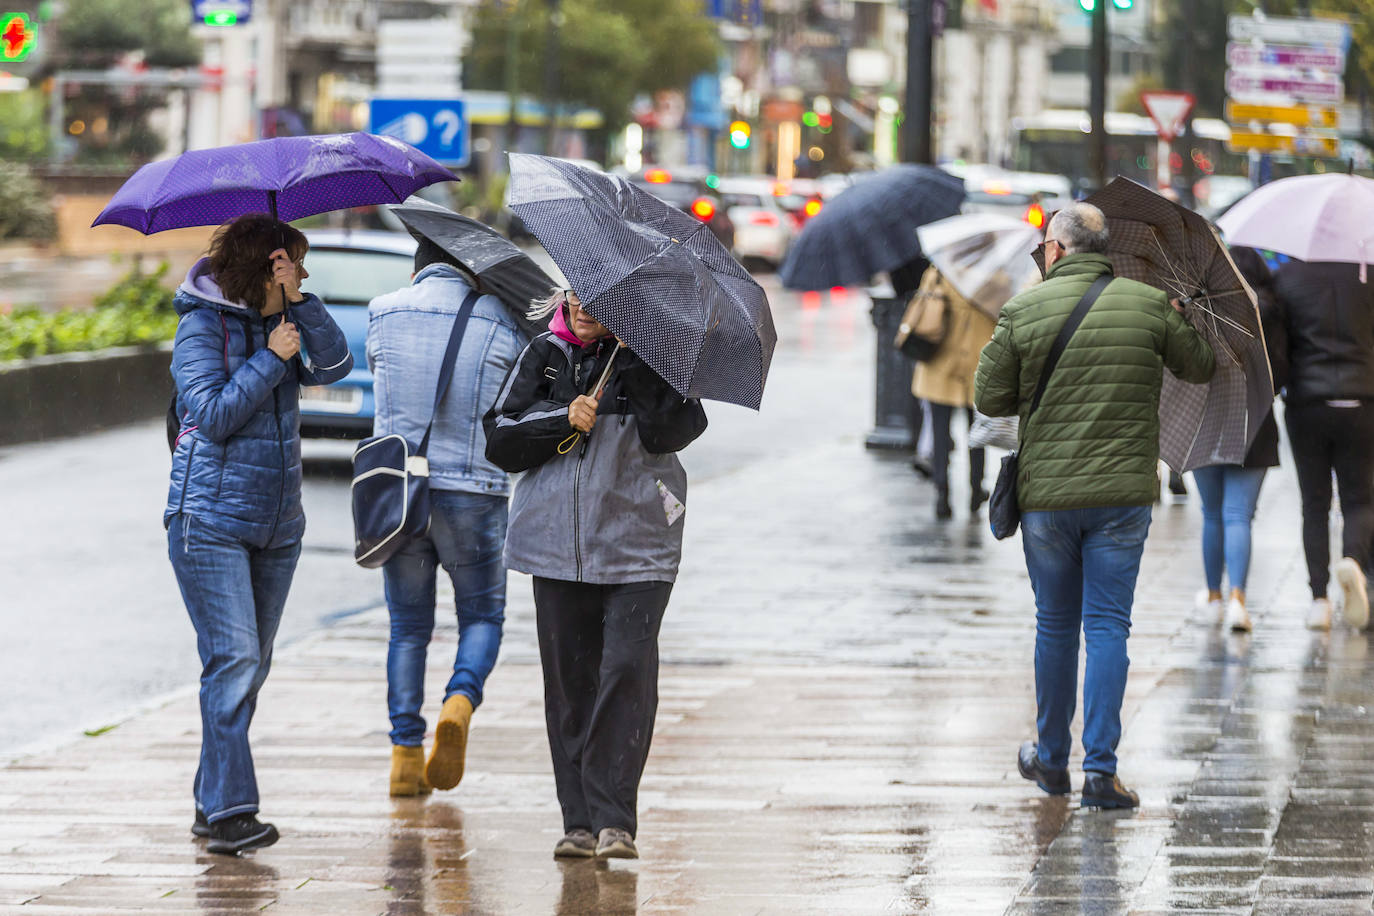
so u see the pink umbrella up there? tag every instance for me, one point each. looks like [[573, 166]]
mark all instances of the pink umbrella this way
[[1310, 217]]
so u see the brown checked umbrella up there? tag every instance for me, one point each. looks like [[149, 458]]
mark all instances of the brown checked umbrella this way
[[1158, 242]]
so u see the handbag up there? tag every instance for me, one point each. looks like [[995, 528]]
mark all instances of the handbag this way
[[925, 324], [390, 490], [1004, 512], [992, 432]]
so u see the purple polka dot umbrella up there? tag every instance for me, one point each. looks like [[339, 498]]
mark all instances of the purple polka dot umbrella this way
[[288, 177]]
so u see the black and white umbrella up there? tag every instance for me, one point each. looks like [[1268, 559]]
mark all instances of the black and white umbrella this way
[[654, 275], [870, 227]]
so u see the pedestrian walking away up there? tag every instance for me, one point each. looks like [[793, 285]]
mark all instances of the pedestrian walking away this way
[[597, 519], [408, 331], [945, 381], [1327, 311], [1086, 478], [1230, 492], [233, 517]]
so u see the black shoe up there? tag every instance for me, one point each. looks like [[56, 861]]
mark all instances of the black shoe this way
[[233, 835], [201, 827], [1104, 790], [1176, 484], [942, 507], [1055, 782], [979, 497]]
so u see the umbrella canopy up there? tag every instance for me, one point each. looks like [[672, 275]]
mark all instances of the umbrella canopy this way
[[652, 274], [288, 177], [870, 227], [1310, 217], [503, 269], [1158, 242], [985, 256]]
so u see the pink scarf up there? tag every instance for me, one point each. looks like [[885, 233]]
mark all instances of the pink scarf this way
[[558, 324]]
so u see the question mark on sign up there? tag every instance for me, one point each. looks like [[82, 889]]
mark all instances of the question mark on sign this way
[[448, 123]]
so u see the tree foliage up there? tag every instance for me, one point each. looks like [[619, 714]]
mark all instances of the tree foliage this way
[[608, 51], [95, 33], [135, 311], [1194, 42]]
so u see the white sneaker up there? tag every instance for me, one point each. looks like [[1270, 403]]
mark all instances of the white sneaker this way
[[1319, 615], [1353, 583], [1211, 610], [1237, 617]]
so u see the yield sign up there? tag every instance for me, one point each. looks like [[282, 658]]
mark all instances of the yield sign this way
[[1169, 111]]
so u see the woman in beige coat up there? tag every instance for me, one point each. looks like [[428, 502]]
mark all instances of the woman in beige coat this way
[[946, 382]]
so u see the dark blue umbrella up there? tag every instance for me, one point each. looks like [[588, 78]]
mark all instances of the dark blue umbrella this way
[[654, 275], [870, 227], [288, 177]]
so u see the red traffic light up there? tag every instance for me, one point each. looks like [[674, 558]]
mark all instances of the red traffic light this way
[[703, 209], [16, 37]]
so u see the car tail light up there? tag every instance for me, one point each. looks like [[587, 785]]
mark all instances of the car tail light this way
[[763, 219], [657, 176], [811, 208], [703, 209], [1035, 215]]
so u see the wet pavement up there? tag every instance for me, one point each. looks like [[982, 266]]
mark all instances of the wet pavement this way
[[845, 682]]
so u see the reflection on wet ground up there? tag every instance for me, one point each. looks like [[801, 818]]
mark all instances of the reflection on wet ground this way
[[845, 684]]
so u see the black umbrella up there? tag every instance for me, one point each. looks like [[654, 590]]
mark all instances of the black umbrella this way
[[1156, 241], [654, 275], [870, 227], [502, 269]]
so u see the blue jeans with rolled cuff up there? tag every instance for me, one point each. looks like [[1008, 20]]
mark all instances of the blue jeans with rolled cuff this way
[[234, 594], [1083, 565], [467, 532]]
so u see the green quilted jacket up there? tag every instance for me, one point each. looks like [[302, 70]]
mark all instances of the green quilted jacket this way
[[1094, 441]]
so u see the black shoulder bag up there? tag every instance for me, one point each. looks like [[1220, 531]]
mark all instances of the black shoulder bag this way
[[1004, 514], [391, 477]]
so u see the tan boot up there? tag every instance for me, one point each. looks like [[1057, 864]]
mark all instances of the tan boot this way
[[445, 767], [408, 771]]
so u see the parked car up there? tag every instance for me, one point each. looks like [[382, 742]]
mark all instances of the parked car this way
[[347, 270], [801, 198], [1032, 196], [763, 228], [687, 190]]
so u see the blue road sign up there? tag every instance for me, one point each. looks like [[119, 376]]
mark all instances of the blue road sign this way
[[436, 127], [221, 12]]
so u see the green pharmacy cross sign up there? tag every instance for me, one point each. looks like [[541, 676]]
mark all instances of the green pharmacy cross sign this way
[[1090, 5], [16, 37]]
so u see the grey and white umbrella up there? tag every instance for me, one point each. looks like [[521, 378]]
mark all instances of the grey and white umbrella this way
[[654, 275]]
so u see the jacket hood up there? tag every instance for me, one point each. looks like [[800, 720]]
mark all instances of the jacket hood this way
[[558, 325], [200, 290]]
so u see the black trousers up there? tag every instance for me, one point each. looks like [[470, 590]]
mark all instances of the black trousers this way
[[1340, 439], [599, 649], [942, 415]]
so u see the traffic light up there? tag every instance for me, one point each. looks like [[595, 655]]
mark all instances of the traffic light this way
[[1090, 5], [16, 37], [739, 134]]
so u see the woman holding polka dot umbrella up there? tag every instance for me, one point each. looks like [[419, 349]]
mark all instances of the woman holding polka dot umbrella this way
[[247, 339]]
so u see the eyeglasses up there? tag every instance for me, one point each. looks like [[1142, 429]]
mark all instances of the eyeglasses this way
[[1049, 242]]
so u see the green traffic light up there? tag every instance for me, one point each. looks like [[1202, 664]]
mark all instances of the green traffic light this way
[[221, 18], [713, 181], [739, 139], [810, 119], [1089, 5]]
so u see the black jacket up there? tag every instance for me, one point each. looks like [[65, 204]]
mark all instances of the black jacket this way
[[1328, 315], [1264, 450]]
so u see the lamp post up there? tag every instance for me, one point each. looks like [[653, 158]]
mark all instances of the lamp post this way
[[1098, 69]]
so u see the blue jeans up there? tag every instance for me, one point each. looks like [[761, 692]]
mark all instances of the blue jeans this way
[[234, 594], [466, 534], [1083, 565], [1229, 495]]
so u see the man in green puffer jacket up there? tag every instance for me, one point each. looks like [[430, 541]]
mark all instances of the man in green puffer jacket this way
[[1086, 482]]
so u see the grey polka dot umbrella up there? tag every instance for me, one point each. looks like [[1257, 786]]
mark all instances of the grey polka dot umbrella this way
[[655, 276]]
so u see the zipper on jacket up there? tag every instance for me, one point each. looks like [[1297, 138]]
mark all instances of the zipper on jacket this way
[[281, 449]]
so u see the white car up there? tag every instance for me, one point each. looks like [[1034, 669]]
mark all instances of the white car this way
[[763, 228]]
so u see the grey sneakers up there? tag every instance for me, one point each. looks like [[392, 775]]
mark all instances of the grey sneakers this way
[[614, 843], [576, 844]]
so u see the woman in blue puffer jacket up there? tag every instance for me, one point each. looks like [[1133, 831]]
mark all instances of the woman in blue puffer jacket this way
[[233, 517]]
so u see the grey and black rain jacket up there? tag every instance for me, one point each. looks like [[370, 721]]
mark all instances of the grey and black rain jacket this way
[[605, 508]]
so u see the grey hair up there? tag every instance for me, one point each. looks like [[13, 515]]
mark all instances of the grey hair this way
[[543, 308], [1080, 228]]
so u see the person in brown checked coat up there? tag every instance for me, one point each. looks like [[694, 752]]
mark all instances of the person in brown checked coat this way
[[946, 382]]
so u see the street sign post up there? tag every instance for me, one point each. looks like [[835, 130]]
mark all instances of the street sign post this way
[[1169, 111], [1297, 115], [436, 127], [1300, 145]]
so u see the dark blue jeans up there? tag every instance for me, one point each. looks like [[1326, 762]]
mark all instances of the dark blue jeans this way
[[467, 532], [235, 594], [1083, 565]]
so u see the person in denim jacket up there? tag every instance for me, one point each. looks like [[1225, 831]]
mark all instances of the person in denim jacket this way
[[234, 519], [407, 335]]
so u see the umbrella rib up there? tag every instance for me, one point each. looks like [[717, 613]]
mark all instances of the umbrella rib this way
[[1217, 317], [1167, 263]]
